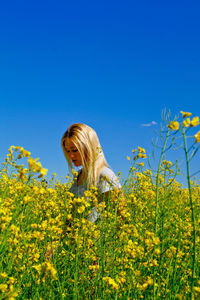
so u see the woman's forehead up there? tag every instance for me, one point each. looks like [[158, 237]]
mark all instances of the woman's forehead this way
[[69, 144]]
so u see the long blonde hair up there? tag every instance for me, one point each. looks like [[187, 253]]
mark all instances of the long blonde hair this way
[[86, 141]]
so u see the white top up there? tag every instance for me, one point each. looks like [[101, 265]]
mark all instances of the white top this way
[[104, 185]]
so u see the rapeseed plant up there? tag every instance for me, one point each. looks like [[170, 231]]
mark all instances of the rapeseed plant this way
[[144, 245]]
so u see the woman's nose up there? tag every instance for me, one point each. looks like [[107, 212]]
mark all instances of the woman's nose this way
[[71, 155]]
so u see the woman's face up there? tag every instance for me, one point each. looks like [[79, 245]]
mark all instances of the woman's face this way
[[73, 152]]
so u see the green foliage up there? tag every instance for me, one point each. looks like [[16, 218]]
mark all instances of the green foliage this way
[[146, 243]]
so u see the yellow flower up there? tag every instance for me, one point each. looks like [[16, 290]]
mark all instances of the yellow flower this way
[[3, 275], [3, 287], [10, 150], [26, 199], [197, 289], [12, 296], [24, 152], [186, 122], [111, 282], [37, 268], [49, 267], [37, 167], [43, 172], [140, 155], [197, 137], [128, 157], [11, 280], [141, 150], [81, 209], [173, 125], [194, 122], [157, 251], [69, 217], [31, 162], [185, 114]]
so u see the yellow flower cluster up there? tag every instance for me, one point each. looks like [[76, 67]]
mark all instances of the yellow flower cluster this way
[[16, 153], [49, 247], [175, 125], [141, 153], [193, 123], [111, 282], [36, 167]]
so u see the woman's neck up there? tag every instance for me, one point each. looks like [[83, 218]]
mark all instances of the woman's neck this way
[[80, 178]]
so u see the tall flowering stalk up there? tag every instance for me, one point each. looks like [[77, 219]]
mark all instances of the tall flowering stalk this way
[[157, 198], [157, 179], [173, 126], [194, 122], [192, 211]]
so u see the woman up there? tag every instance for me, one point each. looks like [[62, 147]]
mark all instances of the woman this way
[[81, 147]]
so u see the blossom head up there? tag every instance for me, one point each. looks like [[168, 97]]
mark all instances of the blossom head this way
[[186, 122], [197, 137], [194, 122], [185, 114], [173, 125]]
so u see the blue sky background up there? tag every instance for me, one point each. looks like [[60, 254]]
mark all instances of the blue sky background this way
[[113, 65]]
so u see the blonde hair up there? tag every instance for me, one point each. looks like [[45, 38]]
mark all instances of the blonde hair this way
[[86, 141]]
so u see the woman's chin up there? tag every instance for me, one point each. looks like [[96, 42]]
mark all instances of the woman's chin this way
[[76, 163]]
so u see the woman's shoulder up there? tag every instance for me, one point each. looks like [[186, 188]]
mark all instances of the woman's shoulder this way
[[108, 180], [106, 171]]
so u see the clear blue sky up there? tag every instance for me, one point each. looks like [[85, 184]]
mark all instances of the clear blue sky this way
[[113, 65]]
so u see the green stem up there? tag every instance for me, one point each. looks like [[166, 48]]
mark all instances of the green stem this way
[[157, 181], [157, 197], [76, 270], [192, 211]]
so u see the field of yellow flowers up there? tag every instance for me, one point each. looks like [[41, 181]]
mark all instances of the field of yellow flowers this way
[[146, 245]]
